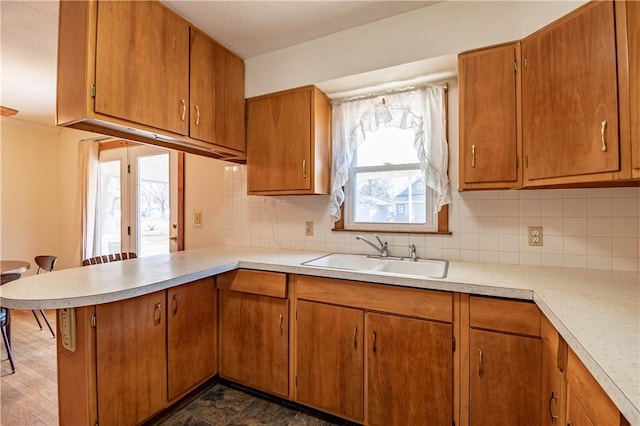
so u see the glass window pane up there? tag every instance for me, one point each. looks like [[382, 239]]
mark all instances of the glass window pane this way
[[387, 146], [390, 197], [109, 209], [153, 204]]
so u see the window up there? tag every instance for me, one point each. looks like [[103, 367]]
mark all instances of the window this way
[[387, 185], [389, 170]]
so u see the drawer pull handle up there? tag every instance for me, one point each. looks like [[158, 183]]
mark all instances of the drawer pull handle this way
[[554, 418], [280, 324], [183, 109], [174, 304], [197, 119], [481, 365], [473, 156], [375, 343], [603, 127], [157, 314]]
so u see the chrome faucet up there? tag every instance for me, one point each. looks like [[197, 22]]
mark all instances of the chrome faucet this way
[[383, 249], [413, 257]]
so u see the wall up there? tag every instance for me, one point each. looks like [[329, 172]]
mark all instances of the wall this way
[[204, 179], [585, 228], [39, 190], [446, 28]]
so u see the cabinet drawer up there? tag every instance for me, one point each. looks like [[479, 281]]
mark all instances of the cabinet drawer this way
[[595, 402], [505, 315], [272, 284], [426, 304]]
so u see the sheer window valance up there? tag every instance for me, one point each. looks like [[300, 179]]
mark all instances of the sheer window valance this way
[[421, 109]]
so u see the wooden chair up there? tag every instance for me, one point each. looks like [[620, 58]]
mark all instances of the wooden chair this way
[[45, 264], [5, 317], [106, 258]]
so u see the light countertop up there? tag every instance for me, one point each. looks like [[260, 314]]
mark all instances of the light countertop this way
[[596, 312]]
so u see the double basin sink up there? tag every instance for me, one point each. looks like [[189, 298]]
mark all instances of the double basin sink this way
[[425, 268]]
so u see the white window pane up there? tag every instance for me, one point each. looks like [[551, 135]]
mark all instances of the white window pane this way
[[110, 210], [390, 197], [387, 146], [153, 204]]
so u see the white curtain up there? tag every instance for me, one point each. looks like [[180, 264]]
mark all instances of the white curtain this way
[[88, 168], [421, 109]]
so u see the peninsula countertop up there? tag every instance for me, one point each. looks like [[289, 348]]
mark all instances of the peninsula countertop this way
[[596, 312]]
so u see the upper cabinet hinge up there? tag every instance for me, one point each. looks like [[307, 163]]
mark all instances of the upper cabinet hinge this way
[[526, 161], [93, 91], [129, 168], [517, 162], [525, 63], [453, 344], [515, 66], [94, 321]]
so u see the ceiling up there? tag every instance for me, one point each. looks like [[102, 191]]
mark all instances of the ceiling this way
[[28, 33]]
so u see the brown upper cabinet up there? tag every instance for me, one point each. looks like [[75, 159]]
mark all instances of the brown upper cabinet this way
[[288, 143], [139, 71], [570, 99], [579, 116], [490, 131], [633, 49]]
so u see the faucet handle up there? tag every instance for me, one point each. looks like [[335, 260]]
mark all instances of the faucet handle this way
[[380, 241]]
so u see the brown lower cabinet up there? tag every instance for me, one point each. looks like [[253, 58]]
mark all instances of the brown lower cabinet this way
[[134, 357], [254, 330]]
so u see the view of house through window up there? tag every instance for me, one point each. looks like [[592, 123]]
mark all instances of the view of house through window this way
[[387, 183], [134, 202]]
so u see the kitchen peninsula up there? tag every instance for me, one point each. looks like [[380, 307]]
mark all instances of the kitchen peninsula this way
[[597, 313]]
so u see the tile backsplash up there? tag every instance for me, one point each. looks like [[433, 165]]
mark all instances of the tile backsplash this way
[[582, 228]]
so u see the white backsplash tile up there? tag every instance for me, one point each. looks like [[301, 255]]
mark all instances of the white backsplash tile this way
[[582, 228]]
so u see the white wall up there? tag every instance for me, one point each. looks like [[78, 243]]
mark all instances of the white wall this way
[[446, 28]]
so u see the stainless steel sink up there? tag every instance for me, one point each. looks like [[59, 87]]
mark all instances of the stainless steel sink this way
[[427, 268]]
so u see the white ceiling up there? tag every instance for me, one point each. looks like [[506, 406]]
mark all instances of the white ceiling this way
[[28, 32]]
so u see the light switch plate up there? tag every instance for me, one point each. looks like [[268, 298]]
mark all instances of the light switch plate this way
[[67, 319], [197, 218]]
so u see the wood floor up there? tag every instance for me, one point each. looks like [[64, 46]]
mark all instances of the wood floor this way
[[30, 395]]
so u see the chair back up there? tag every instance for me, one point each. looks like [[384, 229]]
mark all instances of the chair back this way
[[9, 277], [106, 258], [45, 263]]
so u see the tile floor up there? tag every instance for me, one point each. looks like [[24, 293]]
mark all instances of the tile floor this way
[[226, 405]]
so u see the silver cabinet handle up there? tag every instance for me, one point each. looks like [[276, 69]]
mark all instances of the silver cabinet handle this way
[[473, 156], [197, 119], [157, 314], [603, 127], [551, 398], [174, 304], [481, 365], [183, 109]]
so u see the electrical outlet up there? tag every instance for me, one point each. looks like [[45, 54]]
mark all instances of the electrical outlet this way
[[535, 236], [308, 229]]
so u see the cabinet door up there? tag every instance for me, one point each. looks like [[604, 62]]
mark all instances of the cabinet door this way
[[192, 328], [576, 414], [279, 142], [254, 341], [216, 93], [409, 371], [504, 379], [142, 64], [633, 42], [489, 106], [570, 111], [330, 358], [132, 367]]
